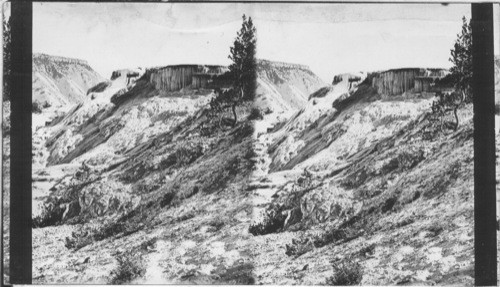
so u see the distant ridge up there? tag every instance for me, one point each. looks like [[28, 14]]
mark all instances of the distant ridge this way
[[43, 56], [284, 87], [60, 81], [263, 62]]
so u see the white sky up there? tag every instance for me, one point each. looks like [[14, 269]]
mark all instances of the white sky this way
[[330, 38]]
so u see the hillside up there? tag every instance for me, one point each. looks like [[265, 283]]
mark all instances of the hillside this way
[[283, 88], [61, 81], [367, 181], [144, 157], [143, 184]]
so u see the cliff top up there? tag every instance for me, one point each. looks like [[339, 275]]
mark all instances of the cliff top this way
[[59, 59], [187, 66], [412, 69], [281, 64]]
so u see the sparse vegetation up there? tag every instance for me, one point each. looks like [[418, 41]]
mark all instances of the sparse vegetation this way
[[51, 214], [255, 114], [240, 274], [346, 273], [286, 212], [184, 155], [86, 235], [216, 224], [273, 222], [36, 108], [299, 247], [129, 268], [99, 87]]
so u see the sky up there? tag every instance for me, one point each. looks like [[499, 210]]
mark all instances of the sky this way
[[329, 38]]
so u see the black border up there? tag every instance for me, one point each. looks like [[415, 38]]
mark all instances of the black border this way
[[20, 137], [483, 87], [484, 137]]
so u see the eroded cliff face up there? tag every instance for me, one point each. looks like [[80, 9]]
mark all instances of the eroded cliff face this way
[[174, 78], [61, 81], [284, 87], [397, 81]]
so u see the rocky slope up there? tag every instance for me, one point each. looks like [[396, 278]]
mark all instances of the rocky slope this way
[[60, 81], [283, 88], [140, 160], [368, 182], [145, 185]]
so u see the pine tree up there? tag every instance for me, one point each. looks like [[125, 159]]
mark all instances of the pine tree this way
[[461, 57], [243, 68], [242, 71], [460, 76]]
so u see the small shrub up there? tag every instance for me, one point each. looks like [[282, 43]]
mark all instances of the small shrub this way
[[435, 230], [345, 273], [238, 275], [355, 179], [299, 247], [36, 108], [255, 114], [330, 237], [448, 103], [99, 87], [88, 235], [389, 204], [367, 250], [183, 155], [166, 199], [51, 215], [268, 111], [216, 224], [186, 216], [273, 222], [128, 269], [243, 132], [77, 240], [407, 160]]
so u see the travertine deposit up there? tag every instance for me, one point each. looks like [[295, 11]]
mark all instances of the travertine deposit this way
[[397, 81], [174, 78]]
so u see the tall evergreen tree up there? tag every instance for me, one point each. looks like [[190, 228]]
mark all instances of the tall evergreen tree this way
[[242, 71], [244, 66], [461, 58], [460, 75]]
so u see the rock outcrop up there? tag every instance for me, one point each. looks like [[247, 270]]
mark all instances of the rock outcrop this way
[[60, 81], [284, 87], [351, 80], [177, 77], [397, 81]]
